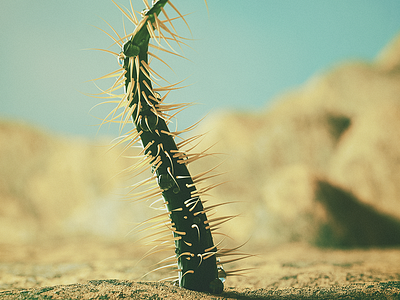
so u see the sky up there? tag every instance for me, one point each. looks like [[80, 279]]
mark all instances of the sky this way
[[242, 55]]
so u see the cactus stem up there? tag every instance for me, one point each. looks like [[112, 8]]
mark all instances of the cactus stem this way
[[185, 224]]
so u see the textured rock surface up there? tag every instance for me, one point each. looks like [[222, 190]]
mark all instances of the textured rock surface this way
[[118, 289]]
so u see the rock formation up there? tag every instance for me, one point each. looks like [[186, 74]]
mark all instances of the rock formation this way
[[56, 187], [295, 167]]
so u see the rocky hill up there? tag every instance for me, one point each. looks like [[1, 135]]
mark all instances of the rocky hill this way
[[321, 165], [58, 187]]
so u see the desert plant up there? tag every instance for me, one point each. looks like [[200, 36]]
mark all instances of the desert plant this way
[[196, 253]]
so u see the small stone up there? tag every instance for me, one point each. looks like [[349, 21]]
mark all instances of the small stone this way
[[216, 286]]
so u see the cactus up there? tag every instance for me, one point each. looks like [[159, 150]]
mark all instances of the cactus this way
[[196, 253]]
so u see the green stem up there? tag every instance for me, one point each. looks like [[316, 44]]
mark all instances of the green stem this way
[[195, 249]]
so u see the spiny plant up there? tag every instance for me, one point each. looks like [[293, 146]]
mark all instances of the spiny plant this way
[[198, 259]]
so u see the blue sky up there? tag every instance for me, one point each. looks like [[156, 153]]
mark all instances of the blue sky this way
[[245, 53]]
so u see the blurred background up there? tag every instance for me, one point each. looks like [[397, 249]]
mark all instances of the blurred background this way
[[304, 100]]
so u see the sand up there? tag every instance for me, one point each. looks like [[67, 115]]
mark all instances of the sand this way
[[89, 269]]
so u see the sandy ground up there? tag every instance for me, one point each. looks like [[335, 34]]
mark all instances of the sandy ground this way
[[87, 269]]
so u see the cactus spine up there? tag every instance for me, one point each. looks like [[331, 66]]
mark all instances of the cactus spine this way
[[194, 245], [195, 250]]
